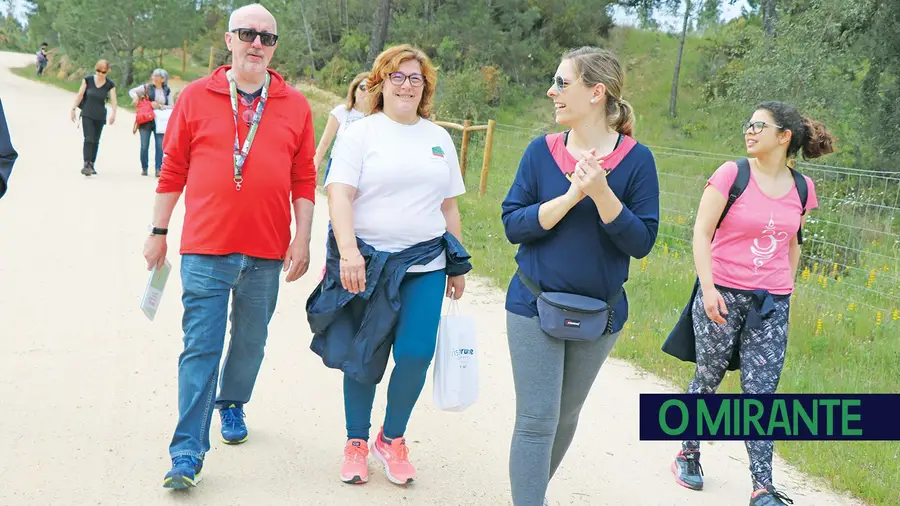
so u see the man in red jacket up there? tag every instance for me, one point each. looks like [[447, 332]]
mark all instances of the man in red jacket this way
[[241, 142]]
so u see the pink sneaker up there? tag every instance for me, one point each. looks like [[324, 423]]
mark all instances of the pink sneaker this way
[[395, 457], [355, 469]]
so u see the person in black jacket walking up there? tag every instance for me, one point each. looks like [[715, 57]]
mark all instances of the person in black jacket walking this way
[[8, 155]]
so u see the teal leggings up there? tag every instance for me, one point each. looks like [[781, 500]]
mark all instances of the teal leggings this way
[[421, 297]]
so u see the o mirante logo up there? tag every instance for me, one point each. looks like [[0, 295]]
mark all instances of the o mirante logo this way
[[862, 417]]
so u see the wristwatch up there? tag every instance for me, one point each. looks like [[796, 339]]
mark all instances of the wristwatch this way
[[157, 230]]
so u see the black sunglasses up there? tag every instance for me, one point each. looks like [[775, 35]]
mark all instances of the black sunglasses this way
[[249, 35]]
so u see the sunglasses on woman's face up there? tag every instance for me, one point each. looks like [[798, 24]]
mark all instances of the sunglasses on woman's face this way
[[249, 35], [756, 127], [559, 82]]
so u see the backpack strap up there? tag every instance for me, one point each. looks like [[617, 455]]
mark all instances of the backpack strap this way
[[737, 187], [803, 192]]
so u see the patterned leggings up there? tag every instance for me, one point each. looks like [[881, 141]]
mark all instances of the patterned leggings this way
[[762, 353]]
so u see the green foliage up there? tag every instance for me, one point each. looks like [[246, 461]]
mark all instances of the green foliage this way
[[89, 30], [337, 74], [838, 62], [470, 93], [13, 37]]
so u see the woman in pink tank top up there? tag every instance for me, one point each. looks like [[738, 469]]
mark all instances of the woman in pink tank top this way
[[746, 269]]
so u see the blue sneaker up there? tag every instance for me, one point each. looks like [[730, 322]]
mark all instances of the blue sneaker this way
[[687, 470], [185, 472], [234, 430], [769, 497]]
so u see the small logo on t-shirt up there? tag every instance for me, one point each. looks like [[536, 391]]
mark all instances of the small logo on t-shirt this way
[[437, 151]]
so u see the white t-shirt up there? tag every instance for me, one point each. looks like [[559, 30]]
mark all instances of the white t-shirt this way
[[345, 118], [402, 174]]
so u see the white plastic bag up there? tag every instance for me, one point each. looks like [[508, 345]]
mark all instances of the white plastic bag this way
[[455, 361], [162, 119]]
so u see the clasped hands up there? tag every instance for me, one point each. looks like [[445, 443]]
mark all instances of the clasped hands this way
[[589, 178]]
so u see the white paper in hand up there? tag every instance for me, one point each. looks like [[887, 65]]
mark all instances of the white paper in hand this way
[[456, 361], [155, 286]]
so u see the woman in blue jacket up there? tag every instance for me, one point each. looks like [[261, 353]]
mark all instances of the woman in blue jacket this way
[[582, 204]]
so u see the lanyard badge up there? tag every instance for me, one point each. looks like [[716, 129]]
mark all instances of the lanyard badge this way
[[240, 154]]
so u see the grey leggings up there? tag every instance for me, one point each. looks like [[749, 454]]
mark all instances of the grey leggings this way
[[552, 380], [762, 352]]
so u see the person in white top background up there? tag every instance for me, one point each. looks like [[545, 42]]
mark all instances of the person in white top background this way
[[392, 187], [342, 116]]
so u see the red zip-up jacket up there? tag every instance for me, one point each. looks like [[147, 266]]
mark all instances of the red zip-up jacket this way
[[198, 147]]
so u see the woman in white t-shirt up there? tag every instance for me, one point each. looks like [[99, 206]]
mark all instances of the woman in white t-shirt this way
[[342, 116], [393, 184]]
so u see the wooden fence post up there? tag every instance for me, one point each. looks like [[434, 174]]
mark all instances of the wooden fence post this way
[[488, 144], [212, 58], [184, 60], [464, 150]]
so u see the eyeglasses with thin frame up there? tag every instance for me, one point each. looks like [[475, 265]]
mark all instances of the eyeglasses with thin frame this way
[[249, 35], [756, 127], [398, 78]]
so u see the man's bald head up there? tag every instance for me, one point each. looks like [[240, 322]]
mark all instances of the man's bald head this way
[[241, 15]]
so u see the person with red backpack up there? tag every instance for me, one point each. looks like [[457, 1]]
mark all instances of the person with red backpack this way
[[747, 239], [148, 99]]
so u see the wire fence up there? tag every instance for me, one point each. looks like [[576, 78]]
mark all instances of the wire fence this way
[[851, 250]]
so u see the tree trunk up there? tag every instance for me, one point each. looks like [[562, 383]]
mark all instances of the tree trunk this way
[[379, 31], [312, 60], [128, 71], [769, 18], [684, 28], [328, 20], [346, 16]]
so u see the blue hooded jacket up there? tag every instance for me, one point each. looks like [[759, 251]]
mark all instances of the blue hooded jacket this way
[[8, 155], [355, 332]]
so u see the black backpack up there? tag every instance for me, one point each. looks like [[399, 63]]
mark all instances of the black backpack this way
[[681, 341], [743, 178]]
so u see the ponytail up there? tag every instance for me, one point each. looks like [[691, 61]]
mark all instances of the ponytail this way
[[817, 140], [620, 115]]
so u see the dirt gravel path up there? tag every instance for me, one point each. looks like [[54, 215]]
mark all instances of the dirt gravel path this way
[[89, 385]]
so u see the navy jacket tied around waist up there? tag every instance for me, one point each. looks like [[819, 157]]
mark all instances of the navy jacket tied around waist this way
[[354, 332], [681, 342]]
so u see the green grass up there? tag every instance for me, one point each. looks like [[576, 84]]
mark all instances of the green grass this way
[[834, 347]]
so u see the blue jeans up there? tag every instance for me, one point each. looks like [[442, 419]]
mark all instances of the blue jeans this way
[[145, 147], [208, 281], [421, 296]]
